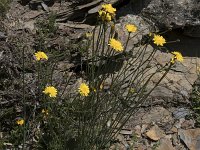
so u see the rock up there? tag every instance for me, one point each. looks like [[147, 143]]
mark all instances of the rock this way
[[126, 132], [137, 131], [177, 85], [179, 123], [30, 25], [190, 137], [175, 140], [174, 129], [180, 113], [31, 15], [157, 114], [2, 35], [188, 124], [165, 144], [141, 147], [45, 7], [176, 81], [144, 127], [155, 133], [173, 14]]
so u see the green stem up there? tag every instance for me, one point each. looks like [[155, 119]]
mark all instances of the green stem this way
[[23, 97], [127, 41]]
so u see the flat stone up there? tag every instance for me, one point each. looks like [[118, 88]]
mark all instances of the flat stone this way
[[174, 129], [144, 127], [126, 132], [137, 131], [181, 113], [155, 133], [30, 25], [157, 114], [190, 137], [179, 123], [165, 144], [188, 124]]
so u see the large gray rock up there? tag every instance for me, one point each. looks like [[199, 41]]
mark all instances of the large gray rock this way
[[177, 85], [191, 138], [171, 14]]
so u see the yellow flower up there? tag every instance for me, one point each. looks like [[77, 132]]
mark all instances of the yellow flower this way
[[177, 56], [84, 89], [40, 55], [108, 8], [159, 40], [108, 17], [150, 34], [198, 69], [105, 16], [45, 111], [172, 60], [88, 34], [101, 86], [131, 28], [51, 91], [132, 90], [20, 122], [115, 44]]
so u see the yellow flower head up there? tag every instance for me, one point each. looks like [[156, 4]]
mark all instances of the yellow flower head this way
[[84, 89], [105, 16], [108, 8], [159, 40], [51, 91], [132, 90], [115, 44], [88, 34], [101, 86], [131, 28], [45, 112], [40, 55], [150, 34], [20, 122], [177, 56]]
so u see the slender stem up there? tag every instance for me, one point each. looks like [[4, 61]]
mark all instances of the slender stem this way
[[127, 41], [23, 98]]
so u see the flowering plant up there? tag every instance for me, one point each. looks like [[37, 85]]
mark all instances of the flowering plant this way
[[114, 84]]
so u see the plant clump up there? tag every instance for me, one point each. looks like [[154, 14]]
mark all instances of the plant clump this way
[[114, 84]]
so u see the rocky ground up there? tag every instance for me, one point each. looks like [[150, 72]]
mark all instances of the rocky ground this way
[[166, 121]]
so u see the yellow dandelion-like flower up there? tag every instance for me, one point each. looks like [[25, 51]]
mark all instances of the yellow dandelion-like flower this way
[[88, 34], [108, 8], [101, 12], [159, 40], [84, 89], [116, 45], [172, 61], [20, 122], [177, 56], [101, 86], [132, 90], [45, 111], [150, 34], [131, 28], [198, 69], [51, 91], [105, 16], [40, 56], [108, 17]]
